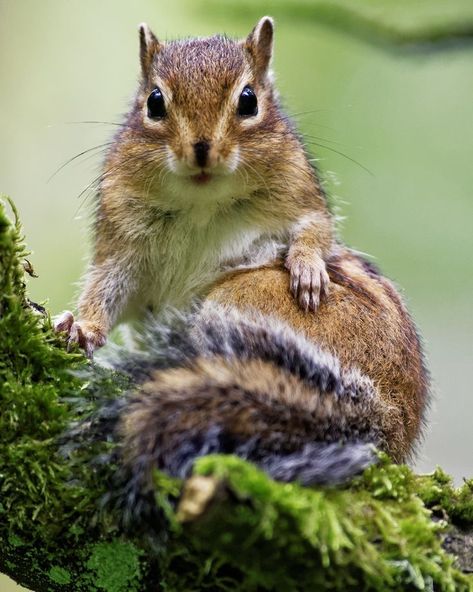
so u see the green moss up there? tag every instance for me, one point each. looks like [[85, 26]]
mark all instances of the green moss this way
[[33, 369], [115, 566], [437, 492], [48, 498], [376, 532], [15, 541], [59, 575]]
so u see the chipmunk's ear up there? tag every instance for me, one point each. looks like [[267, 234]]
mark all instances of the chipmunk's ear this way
[[149, 46], [260, 44]]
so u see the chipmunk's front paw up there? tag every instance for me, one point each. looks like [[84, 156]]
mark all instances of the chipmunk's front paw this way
[[87, 335], [309, 280]]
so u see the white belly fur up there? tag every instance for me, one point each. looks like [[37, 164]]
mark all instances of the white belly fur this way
[[201, 233], [184, 259]]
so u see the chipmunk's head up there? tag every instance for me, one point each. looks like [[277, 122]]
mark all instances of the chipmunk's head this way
[[205, 107]]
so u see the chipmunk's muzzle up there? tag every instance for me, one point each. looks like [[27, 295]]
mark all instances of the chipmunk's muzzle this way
[[202, 159]]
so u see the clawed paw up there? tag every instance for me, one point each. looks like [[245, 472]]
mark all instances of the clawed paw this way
[[309, 281], [87, 335]]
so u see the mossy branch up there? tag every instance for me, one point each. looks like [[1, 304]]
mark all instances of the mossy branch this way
[[229, 527]]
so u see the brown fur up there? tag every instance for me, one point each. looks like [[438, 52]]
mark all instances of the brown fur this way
[[363, 322]]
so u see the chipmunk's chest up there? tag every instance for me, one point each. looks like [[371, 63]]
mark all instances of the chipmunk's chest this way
[[185, 257], [185, 245]]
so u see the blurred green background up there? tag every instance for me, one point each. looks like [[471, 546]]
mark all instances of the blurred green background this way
[[405, 112]]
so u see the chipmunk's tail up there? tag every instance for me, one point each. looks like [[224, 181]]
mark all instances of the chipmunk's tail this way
[[220, 382]]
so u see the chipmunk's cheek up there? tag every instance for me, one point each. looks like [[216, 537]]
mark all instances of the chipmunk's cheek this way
[[172, 161], [230, 159]]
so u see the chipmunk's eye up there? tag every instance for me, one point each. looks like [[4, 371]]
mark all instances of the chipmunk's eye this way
[[156, 107], [248, 103]]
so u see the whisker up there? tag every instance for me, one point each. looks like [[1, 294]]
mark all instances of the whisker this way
[[321, 125], [341, 154], [149, 158], [241, 171], [107, 173], [98, 147], [259, 175], [97, 122], [114, 123], [158, 169], [319, 138], [104, 174], [163, 176], [165, 170], [308, 112]]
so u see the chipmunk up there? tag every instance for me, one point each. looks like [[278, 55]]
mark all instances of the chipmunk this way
[[306, 397], [205, 180], [204, 171]]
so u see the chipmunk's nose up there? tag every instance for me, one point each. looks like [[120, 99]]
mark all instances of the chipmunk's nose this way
[[201, 151]]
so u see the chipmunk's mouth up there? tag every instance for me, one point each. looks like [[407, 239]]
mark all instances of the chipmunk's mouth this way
[[201, 178]]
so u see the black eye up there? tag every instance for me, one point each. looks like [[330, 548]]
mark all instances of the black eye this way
[[247, 104], [156, 108]]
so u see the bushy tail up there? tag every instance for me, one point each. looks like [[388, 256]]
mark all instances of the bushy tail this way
[[220, 382]]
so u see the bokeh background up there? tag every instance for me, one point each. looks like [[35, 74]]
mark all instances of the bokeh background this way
[[384, 92]]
